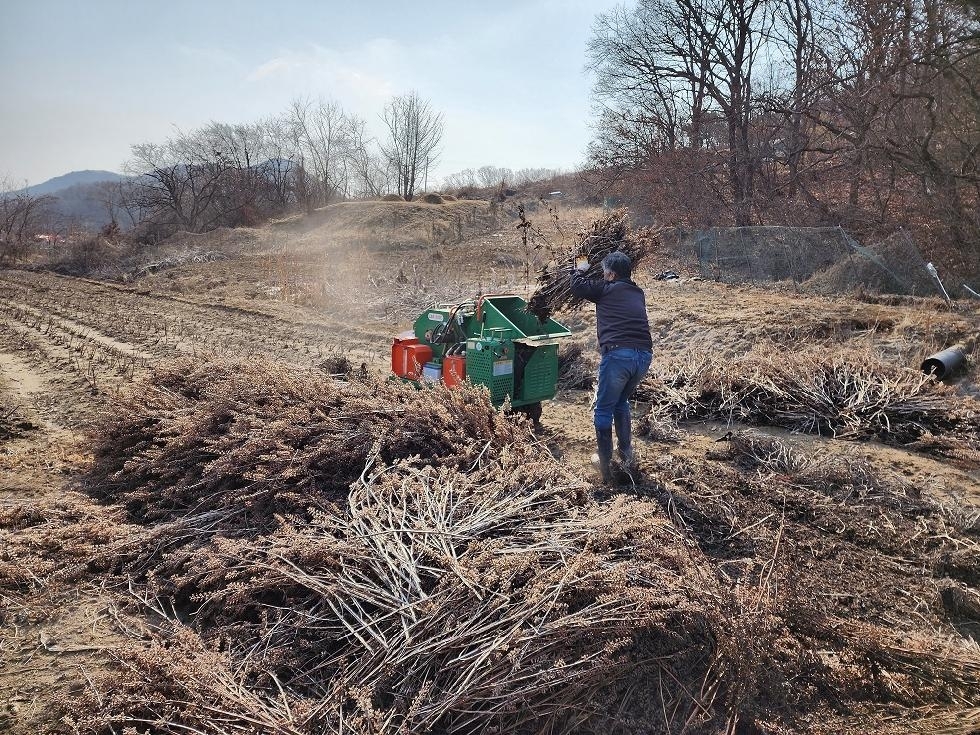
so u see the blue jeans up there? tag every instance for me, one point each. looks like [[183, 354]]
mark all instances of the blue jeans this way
[[620, 371]]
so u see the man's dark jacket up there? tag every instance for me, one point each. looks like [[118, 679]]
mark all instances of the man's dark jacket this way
[[620, 311]]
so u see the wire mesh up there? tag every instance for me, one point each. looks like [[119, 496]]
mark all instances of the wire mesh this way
[[822, 259]]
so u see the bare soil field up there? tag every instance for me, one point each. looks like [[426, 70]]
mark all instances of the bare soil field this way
[[760, 508]]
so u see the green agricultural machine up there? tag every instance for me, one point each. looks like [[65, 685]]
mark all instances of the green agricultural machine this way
[[493, 341]]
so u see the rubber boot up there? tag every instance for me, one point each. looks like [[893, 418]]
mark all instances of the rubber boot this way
[[604, 442], [624, 440]]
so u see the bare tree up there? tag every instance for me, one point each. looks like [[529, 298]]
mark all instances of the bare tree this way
[[22, 216], [914, 89], [315, 153], [323, 135], [796, 34], [179, 182], [367, 165], [862, 112], [279, 160], [666, 68], [129, 201], [219, 175], [465, 179], [495, 176], [238, 150], [411, 147], [525, 176], [109, 195]]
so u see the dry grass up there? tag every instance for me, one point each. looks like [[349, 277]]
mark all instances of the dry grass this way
[[357, 556], [849, 396]]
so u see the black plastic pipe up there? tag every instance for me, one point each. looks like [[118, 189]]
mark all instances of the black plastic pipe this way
[[945, 363]]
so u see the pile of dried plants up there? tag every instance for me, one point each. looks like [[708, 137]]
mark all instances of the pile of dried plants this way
[[369, 557], [811, 391], [259, 438], [606, 235], [432, 604], [576, 367], [841, 571], [359, 556]]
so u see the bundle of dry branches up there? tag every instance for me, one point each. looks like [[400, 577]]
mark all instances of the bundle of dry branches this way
[[606, 235], [479, 587], [476, 587], [576, 367], [812, 392]]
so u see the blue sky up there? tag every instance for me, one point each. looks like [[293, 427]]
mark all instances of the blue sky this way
[[83, 81]]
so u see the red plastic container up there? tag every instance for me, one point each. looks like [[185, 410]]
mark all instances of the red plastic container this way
[[415, 358], [453, 370], [399, 355]]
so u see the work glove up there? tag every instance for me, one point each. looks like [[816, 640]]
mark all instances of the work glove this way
[[582, 263]]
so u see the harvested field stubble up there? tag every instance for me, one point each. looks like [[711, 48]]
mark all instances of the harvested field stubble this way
[[360, 556], [12, 424]]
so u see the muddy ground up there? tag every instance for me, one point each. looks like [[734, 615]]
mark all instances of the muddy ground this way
[[343, 284]]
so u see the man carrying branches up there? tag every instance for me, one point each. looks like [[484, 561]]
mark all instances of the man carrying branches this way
[[626, 346]]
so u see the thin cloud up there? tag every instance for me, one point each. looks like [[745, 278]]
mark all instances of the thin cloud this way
[[365, 80], [274, 68]]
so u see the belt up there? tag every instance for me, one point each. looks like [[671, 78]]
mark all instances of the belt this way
[[609, 348]]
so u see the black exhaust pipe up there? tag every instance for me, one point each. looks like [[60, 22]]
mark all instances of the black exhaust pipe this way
[[945, 363]]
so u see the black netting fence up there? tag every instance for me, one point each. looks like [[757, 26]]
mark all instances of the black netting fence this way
[[821, 259]]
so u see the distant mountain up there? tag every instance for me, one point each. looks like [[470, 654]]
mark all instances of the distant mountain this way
[[77, 199], [58, 183]]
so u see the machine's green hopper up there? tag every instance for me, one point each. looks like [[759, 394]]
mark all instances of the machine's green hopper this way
[[493, 341]]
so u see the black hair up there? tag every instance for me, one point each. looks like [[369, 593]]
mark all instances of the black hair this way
[[619, 263]]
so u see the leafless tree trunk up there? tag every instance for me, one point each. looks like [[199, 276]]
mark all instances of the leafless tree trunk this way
[[280, 160], [22, 216], [366, 164], [796, 33], [323, 134]]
